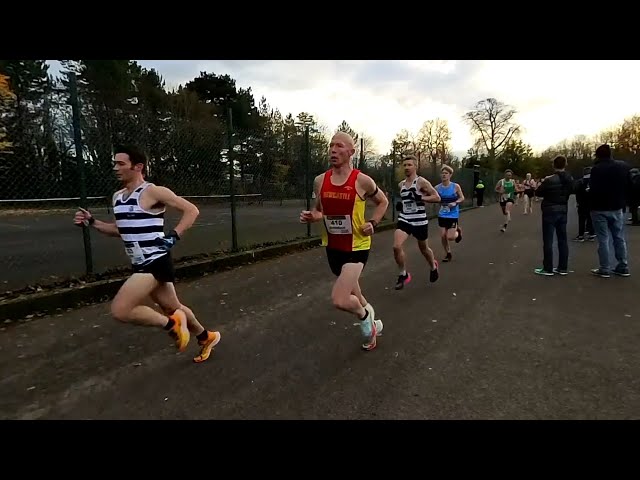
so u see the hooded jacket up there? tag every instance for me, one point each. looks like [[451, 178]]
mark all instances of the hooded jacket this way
[[583, 192], [610, 185], [555, 192]]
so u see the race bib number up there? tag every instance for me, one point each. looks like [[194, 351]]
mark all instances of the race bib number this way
[[409, 206], [338, 224], [134, 252]]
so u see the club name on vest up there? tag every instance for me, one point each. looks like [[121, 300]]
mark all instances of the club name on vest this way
[[337, 195]]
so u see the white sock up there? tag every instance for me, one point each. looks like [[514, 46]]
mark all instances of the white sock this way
[[403, 272]]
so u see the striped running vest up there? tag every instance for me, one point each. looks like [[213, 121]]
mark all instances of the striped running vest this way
[[343, 215], [138, 228], [413, 212], [448, 195]]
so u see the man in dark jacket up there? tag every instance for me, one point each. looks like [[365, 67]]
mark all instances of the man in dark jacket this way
[[634, 195], [610, 186], [583, 194], [555, 191]]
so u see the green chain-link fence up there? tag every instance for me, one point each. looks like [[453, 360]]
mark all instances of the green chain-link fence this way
[[250, 184]]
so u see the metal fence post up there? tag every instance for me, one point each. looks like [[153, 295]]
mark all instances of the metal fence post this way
[[77, 139], [232, 174], [307, 173], [394, 211]]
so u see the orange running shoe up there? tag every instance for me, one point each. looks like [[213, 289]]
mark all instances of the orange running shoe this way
[[179, 332], [206, 346]]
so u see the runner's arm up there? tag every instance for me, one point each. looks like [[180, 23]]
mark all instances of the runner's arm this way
[[189, 211], [316, 211], [432, 195], [85, 217], [371, 190], [499, 187], [460, 194], [108, 228]]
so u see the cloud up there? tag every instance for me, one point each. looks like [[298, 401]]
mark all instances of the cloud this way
[[554, 99]]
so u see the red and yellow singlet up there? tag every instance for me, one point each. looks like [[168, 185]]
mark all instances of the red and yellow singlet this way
[[343, 211]]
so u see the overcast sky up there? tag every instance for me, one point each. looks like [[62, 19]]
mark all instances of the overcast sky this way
[[555, 99]]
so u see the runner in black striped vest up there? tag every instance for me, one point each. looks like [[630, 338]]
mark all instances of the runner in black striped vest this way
[[139, 213], [415, 192]]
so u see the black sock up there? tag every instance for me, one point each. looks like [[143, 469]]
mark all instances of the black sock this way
[[366, 314], [170, 323], [203, 336]]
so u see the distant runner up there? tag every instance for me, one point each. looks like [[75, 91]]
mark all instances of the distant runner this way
[[506, 187], [341, 194], [530, 186], [415, 191], [451, 197]]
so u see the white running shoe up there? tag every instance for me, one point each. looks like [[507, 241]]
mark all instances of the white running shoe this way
[[372, 314]]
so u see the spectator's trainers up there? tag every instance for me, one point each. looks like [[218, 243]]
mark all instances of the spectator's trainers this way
[[542, 271], [622, 272], [600, 273]]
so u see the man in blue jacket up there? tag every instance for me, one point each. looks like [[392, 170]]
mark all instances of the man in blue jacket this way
[[610, 185]]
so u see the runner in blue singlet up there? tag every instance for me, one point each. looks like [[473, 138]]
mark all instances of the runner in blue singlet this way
[[451, 197]]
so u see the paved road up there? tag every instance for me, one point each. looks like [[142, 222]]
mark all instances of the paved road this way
[[490, 340], [45, 246]]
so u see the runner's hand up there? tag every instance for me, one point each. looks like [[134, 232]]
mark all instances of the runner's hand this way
[[398, 206], [169, 240], [367, 229], [82, 217], [306, 217]]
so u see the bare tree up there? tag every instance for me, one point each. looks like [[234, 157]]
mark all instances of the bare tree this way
[[402, 144], [628, 138], [492, 123], [369, 144], [434, 142]]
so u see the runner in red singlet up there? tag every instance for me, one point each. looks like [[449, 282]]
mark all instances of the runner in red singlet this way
[[341, 195]]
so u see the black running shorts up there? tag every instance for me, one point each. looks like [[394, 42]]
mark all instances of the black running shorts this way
[[337, 259], [503, 205], [420, 232], [161, 268], [447, 222]]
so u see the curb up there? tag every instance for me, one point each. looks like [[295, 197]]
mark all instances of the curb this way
[[104, 290]]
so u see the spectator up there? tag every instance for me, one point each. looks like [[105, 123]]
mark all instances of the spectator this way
[[610, 185], [585, 226], [480, 193], [555, 191], [634, 195]]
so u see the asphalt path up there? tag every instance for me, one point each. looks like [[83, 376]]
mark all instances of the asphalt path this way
[[489, 340]]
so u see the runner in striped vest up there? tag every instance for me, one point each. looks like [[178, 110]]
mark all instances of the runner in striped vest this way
[[139, 213], [415, 193]]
